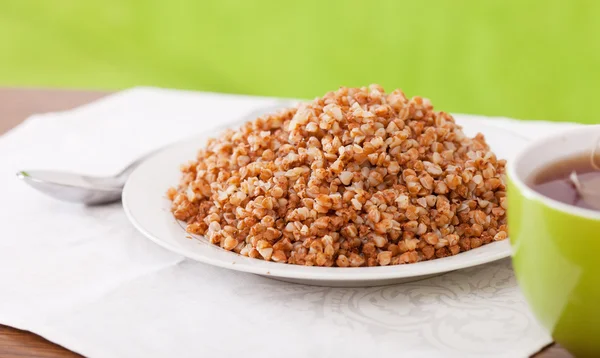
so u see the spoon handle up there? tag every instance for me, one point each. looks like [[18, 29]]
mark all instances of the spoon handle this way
[[125, 172]]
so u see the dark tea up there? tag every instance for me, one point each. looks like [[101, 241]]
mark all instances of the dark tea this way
[[573, 180]]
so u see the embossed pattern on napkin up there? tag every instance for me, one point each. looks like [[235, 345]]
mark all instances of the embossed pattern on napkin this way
[[84, 278]]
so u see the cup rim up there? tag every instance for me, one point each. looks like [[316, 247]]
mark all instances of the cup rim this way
[[529, 193]]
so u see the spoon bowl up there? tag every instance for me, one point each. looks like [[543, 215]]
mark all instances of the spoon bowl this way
[[74, 187]]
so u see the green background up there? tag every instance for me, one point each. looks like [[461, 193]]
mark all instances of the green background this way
[[537, 59]]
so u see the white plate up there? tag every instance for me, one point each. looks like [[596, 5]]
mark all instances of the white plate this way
[[148, 209]]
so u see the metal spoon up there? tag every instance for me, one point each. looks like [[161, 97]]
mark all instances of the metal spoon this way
[[100, 190], [79, 188]]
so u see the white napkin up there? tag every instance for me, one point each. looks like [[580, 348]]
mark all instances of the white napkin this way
[[84, 278]]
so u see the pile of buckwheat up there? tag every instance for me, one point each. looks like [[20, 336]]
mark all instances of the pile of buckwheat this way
[[355, 178]]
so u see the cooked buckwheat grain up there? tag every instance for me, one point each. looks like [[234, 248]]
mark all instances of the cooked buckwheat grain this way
[[355, 178]]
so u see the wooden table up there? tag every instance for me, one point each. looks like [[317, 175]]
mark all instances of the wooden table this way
[[15, 106]]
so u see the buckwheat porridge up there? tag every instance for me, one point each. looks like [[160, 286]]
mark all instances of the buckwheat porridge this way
[[355, 178]]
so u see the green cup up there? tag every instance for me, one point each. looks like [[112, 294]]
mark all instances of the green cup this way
[[556, 247]]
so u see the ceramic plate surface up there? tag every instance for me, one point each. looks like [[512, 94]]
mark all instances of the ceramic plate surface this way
[[148, 209]]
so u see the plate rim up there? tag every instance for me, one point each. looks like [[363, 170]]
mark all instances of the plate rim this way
[[387, 272], [497, 250]]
